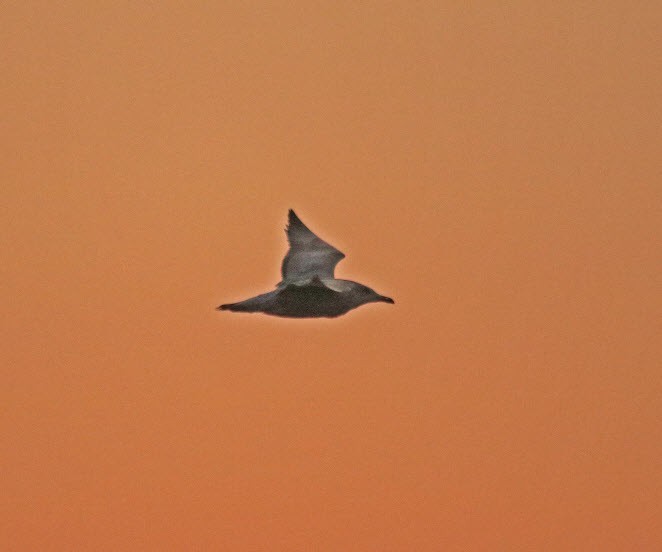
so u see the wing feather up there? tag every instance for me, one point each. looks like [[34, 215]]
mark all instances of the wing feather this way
[[308, 255]]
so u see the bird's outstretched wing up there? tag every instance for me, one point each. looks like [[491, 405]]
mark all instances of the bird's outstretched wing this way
[[309, 255]]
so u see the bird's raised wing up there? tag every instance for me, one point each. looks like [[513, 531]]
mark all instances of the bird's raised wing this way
[[309, 255]]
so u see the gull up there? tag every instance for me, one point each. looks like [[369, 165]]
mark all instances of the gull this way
[[309, 288]]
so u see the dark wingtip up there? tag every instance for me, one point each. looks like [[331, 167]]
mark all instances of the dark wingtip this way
[[293, 221], [223, 307]]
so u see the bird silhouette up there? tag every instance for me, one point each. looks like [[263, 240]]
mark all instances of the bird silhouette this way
[[309, 288]]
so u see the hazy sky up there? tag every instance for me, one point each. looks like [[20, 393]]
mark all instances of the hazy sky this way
[[494, 168]]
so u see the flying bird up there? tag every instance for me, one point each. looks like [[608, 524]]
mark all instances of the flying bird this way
[[309, 288]]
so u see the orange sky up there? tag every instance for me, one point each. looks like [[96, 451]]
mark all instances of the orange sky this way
[[495, 169]]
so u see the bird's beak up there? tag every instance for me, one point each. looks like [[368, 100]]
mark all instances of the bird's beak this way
[[386, 299]]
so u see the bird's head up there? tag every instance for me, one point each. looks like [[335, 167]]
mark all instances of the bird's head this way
[[367, 295]]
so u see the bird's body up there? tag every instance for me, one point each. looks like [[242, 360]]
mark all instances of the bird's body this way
[[308, 288]]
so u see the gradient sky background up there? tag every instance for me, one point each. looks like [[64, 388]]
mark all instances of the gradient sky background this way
[[495, 168]]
